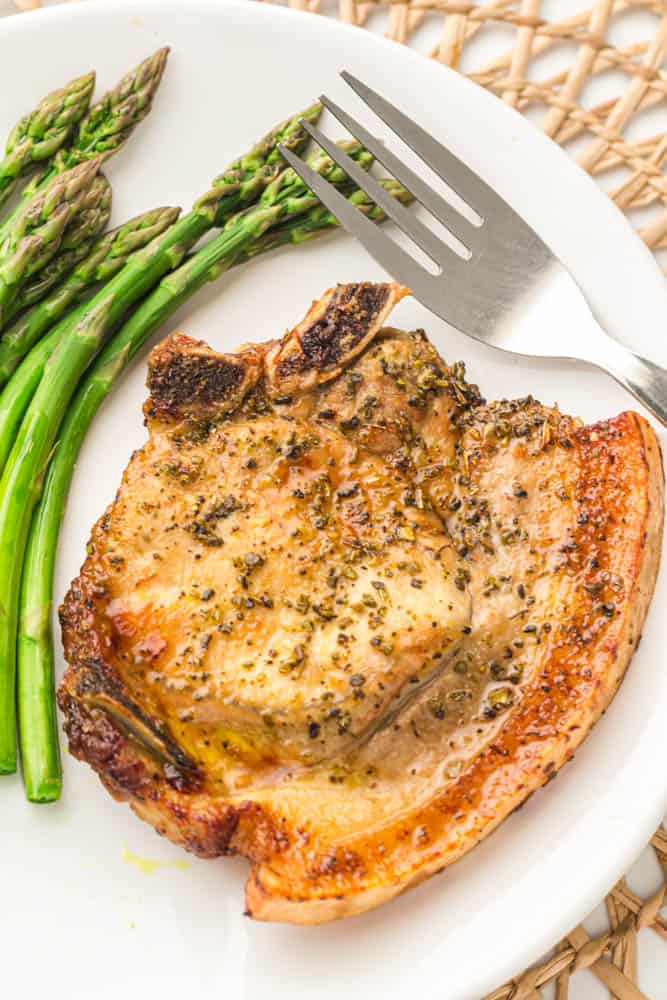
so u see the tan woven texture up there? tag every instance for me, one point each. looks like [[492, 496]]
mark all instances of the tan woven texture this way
[[606, 143]]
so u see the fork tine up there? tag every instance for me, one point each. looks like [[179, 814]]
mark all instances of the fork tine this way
[[445, 213], [467, 184], [407, 221], [388, 254]]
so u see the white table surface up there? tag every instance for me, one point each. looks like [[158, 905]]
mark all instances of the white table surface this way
[[645, 876]]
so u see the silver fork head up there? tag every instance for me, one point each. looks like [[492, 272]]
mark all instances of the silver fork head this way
[[481, 293], [507, 289]]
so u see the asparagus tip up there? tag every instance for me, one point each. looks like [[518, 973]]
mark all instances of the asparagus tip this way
[[82, 173], [312, 113], [158, 61]]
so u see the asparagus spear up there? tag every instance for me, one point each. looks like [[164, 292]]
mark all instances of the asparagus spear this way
[[77, 242], [111, 121], [40, 134], [37, 231], [92, 216], [53, 206], [20, 485], [106, 257], [38, 735], [78, 238], [108, 124], [265, 152], [238, 186], [17, 394]]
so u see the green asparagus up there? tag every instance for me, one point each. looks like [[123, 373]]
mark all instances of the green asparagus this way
[[38, 229], [92, 216], [54, 206], [110, 122], [109, 257], [78, 239], [106, 257], [40, 134], [107, 125], [17, 394], [38, 735]]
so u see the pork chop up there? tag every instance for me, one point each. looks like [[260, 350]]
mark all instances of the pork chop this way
[[343, 616]]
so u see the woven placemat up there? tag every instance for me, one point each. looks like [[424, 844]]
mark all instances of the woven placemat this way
[[608, 141]]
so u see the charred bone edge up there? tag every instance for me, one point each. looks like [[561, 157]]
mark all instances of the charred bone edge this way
[[336, 329]]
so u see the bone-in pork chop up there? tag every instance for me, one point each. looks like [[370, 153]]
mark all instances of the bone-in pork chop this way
[[343, 616]]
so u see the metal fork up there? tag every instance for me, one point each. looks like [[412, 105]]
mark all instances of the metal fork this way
[[509, 290]]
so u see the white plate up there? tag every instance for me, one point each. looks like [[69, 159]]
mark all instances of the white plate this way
[[77, 919]]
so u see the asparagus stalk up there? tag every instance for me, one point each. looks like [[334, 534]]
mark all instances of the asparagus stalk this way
[[17, 394], [38, 735], [110, 256], [237, 187], [40, 134], [265, 153], [79, 342], [38, 726], [93, 215], [37, 231], [108, 124], [106, 257]]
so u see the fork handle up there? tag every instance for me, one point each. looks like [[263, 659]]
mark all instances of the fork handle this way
[[643, 378]]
